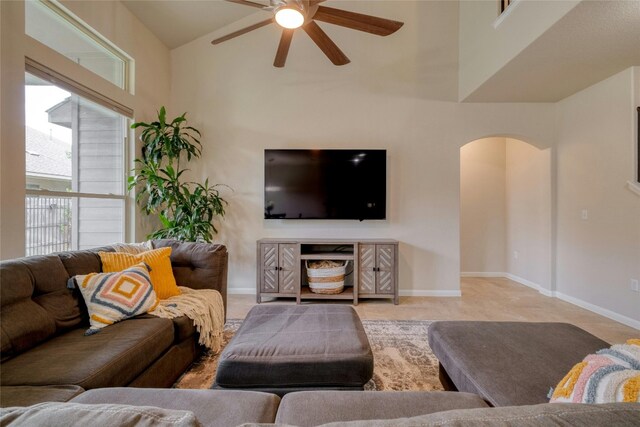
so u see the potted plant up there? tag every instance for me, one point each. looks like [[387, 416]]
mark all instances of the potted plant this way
[[186, 210]]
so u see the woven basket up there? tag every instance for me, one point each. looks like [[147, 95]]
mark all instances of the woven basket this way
[[326, 277]]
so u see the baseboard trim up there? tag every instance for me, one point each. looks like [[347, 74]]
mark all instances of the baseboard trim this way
[[482, 274], [241, 291], [555, 294], [599, 310], [404, 293], [429, 293], [529, 283]]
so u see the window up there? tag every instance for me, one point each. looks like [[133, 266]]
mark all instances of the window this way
[[76, 137], [52, 26], [75, 170]]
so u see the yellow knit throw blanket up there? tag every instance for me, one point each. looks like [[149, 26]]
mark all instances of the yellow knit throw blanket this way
[[203, 306]]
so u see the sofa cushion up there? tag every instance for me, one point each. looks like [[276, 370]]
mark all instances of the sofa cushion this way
[[30, 395], [82, 262], [509, 363], [198, 265], [211, 407], [114, 357], [164, 284], [310, 408], [113, 297], [36, 303], [184, 328], [76, 414], [545, 415]]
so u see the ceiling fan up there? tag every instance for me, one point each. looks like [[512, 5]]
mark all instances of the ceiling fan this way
[[292, 14]]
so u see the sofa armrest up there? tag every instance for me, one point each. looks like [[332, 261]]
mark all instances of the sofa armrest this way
[[198, 265]]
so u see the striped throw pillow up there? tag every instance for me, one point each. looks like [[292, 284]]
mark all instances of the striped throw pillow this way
[[610, 375], [159, 262], [112, 297]]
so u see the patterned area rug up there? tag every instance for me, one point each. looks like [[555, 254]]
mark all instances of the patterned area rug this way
[[402, 357]]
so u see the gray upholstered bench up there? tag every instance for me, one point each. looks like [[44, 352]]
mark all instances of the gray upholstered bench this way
[[284, 348], [508, 363]]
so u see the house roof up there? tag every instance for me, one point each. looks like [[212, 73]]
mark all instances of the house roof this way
[[47, 156]]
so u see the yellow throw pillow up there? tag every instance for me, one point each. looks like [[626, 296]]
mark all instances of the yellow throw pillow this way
[[164, 284]]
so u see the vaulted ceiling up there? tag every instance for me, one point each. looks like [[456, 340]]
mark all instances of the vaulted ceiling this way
[[176, 22], [593, 41]]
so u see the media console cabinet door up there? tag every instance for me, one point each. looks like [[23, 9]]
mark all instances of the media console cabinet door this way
[[377, 263], [269, 277], [385, 260], [367, 267], [288, 269], [280, 272]]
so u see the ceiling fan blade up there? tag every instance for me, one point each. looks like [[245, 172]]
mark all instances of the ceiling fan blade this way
[[243, 31], [327, 45], [357, 21], [283, 48], [248, 3]]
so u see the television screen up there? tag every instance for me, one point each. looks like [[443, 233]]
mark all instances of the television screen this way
[[325, 184]]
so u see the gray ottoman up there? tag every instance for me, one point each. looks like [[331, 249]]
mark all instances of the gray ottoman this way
[[284, 348], [508, 363]]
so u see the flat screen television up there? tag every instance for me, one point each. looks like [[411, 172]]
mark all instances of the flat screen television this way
[[325, 184]]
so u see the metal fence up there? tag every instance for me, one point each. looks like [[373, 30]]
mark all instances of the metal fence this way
[[48, 224]]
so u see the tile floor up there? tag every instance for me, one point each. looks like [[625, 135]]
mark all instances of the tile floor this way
[[482, 299]]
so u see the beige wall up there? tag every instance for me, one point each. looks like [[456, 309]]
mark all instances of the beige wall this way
[[242, 105], [12, 157], [597, 257], [152, 70], [152, 88], [505, 211], [486, 45], [528, 217], [483, 206]]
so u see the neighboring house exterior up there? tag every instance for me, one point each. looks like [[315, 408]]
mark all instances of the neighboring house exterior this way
[[48, 167], [48, 161], [91, 163]]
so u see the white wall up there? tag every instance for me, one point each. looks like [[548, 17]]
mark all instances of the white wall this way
[[486, 47], [597, 257], [116, 23], [528, 218], [389, 97], [483, 206], [12, 157], [152, 70], [505, 211]]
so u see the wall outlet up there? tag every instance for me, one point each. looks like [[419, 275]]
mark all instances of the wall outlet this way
[[584, 215], [634, 285], [515, 254]]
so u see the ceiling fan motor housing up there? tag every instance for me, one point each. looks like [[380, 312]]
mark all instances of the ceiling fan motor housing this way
[[291, 14]]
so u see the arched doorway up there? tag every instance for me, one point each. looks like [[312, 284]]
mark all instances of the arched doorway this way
[[505, 211]]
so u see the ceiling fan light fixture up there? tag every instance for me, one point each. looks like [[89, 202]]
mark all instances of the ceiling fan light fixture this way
[[289, 17]]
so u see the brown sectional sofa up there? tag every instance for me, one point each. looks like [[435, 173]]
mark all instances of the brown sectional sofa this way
[[223, 408], [47, 358], [45, 354]]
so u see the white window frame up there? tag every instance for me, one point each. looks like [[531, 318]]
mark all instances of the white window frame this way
[[83, 27], [50, 65]]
